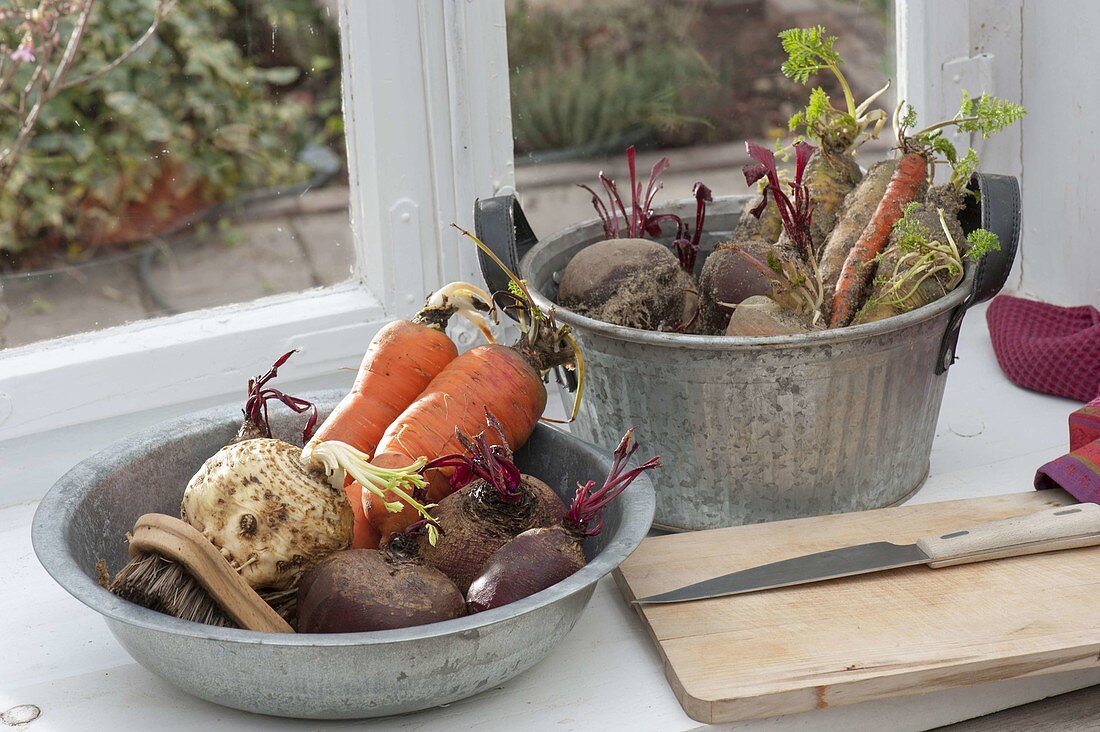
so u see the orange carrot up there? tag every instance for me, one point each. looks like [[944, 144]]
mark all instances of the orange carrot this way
[[904, 186], [490, 377], [400, 362], [506, 381]]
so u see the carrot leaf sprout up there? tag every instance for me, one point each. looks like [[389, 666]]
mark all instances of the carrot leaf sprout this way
[[810, 51]]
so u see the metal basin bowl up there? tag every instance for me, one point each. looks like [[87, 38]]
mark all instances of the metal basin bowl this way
[[332, 676]]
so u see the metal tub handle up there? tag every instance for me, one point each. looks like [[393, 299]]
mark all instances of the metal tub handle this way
[[995, 207], [502, 226]]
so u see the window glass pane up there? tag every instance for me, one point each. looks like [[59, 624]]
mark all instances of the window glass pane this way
[[191, 155], [691, 80]]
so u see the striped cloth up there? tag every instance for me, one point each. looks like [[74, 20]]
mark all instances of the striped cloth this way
[[1079, 471]]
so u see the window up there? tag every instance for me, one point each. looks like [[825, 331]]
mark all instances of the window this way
[[690, 81], [151, 146], [427, 134]]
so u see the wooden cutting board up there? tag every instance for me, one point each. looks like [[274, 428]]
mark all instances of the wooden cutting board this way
[[849, 640]]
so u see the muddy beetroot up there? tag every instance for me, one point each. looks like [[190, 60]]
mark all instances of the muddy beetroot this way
[[539, 558], [626, 279]]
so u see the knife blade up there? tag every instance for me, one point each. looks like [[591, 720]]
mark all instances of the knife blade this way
[[1063, 527]]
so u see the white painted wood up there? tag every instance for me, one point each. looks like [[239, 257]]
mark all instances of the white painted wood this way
[[996, 35], [426, 94], [606, 675], [996, 31], [930, 33], [946, 47], [1060, 151], [161, 362], [1028, 52]]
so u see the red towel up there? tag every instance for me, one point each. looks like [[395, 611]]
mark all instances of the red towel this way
[[1047, 348]]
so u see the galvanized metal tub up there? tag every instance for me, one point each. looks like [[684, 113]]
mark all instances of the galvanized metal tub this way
[[758, 429], [332, 676]]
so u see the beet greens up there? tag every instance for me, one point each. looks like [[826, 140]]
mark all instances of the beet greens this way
[[255, 408], [494, 503], [642, 221], [585, 515], [491, 463], [798, 285], [541, 557], [686, 245], [796, 215]]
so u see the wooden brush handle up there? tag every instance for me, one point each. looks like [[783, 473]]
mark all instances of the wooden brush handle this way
[[179, 541], [1065, 527]]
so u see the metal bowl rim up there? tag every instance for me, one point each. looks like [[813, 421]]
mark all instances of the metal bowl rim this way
[[54, 515], [723, 342]]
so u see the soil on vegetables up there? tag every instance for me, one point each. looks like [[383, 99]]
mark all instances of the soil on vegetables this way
[[631, 282], [831, 179], [859, 206]]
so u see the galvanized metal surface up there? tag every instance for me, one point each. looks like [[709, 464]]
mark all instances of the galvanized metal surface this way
[[759, 429], [335, 676]]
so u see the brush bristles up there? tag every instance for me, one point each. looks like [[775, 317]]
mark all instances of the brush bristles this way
[[284, 602], [159, 584]]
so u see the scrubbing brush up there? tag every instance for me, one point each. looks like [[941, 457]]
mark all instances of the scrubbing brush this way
[[175, 570]]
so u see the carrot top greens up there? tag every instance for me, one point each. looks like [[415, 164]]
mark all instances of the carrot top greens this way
[[985, 115], [925, 254], [810, 51]]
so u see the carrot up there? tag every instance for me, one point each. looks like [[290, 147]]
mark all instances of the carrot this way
[[904, 186], [506, 381], [859, 206], [400, 362], [493, 377]]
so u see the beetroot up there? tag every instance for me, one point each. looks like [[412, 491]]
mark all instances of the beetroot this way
[[730, 275], [761, 316], [631, 282], [369, 589], [627, 280], [495, 503], [539, 558]]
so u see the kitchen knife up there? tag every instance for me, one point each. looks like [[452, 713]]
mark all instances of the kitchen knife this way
[[1065, 527]]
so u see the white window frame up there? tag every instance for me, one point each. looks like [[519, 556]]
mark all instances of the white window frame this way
[[947, 46], [428, 125]]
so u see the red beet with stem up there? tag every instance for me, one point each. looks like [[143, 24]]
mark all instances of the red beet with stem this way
[[539, 558], [494, 503], [626, 279]]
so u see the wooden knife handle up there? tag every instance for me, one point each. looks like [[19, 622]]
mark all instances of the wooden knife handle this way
[[1066, 527]]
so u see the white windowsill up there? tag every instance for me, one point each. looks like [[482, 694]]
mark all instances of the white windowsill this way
[[606, 675]]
